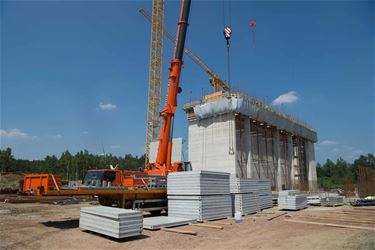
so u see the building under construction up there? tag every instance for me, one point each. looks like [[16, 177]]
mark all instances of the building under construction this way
[[232, 132]]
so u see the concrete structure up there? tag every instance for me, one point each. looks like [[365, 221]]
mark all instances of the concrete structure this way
[[177, 150], [235, 133]]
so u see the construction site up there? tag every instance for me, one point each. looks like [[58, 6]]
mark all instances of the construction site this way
[[249, 179]]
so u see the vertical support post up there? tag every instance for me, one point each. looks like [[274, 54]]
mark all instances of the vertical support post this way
[[311, 164], [276, 146], [122, 204], [290, 160], [248, 148]]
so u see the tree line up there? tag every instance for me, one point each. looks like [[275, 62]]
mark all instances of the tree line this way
[[332, 174], [69, 166], [74, 166]]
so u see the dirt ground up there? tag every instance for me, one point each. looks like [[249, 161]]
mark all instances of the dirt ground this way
[[46, 226]]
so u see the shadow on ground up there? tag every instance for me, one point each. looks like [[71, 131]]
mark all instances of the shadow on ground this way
[[65, 224], [140, 237]]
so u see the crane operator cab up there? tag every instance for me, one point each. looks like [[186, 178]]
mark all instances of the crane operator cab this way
[[100, 178]]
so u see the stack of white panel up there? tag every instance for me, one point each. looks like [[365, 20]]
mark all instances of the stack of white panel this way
[[313, 200], [332, 200], [247, 203], [291, 200], [198, 183], [200, 195], [206, 207], [243, 185], [110, 221], [244, 195], [264, 193]]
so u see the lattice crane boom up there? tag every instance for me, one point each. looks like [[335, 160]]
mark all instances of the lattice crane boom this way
[[155, 75], [215, 81]]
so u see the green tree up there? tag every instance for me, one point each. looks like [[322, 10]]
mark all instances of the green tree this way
[[6, 160]]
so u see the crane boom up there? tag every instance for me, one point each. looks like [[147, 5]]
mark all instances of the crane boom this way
[[216, 82], [163, 159], [155, 75]]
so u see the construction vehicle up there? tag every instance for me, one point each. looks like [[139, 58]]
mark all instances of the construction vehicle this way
[[144, 189], [39, 184], [155, 71]]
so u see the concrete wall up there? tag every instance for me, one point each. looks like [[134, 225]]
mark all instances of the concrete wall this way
[[211, 143], [245, 147], [177, 150]]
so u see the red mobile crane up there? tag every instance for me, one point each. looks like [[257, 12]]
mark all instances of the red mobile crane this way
[[163, 163], [145, 190]]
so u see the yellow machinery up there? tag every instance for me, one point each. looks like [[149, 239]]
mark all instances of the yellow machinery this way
[[155, 75]]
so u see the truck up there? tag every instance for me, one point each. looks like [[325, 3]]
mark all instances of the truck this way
[[144, 189]]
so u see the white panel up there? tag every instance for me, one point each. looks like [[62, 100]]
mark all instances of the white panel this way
[[177, 156]]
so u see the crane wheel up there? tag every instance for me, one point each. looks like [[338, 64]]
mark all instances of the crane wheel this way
[[155, 212], [105, 201], [129, 204]]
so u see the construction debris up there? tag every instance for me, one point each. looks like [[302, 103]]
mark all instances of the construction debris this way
[[276, 216], [208, 226], [179, 231]]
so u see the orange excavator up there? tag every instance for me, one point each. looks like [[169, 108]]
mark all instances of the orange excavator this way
[[146, 189]]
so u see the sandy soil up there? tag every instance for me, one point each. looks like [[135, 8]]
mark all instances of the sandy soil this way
[[44, 226]]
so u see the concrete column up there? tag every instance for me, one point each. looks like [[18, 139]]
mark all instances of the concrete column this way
[[276, 146], [248, 148], [290, 160], [242, 146], [311, 164]]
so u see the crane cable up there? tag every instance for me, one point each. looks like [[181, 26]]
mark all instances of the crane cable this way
[[227, 35]]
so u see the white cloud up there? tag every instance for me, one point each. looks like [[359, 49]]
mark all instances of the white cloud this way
[[289, 97], [15, 133], [349, 153], [335, 150], [107, 106], [357, 152], [115, 146], [328, 142], [85, 132], [58, 136]]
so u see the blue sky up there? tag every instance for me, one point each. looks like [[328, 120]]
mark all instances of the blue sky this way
[[74, 73]]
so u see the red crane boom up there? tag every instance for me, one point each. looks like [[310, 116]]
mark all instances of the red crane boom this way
[[163, 159]]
